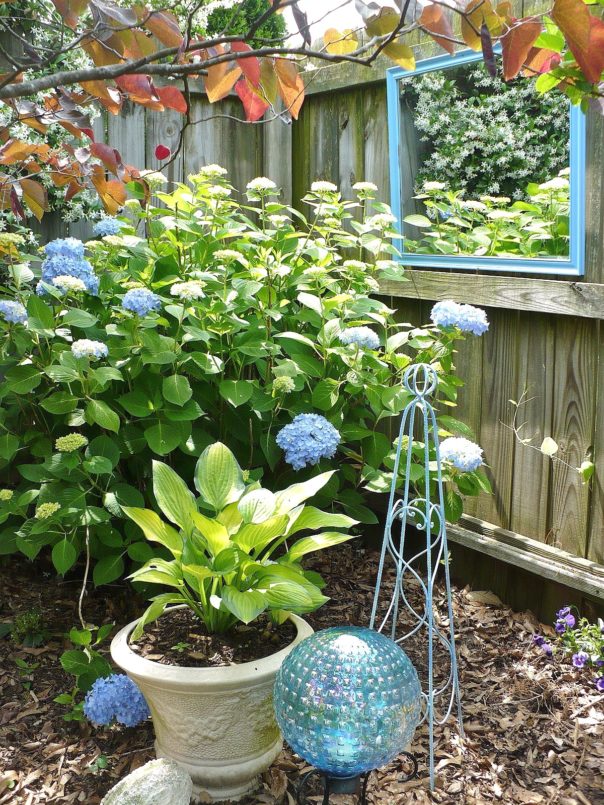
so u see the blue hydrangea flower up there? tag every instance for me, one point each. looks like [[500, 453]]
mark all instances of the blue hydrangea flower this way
[[462, 453], [65, 247], [467, 318], [141, 301], [118, 698], [580, 658], [85, 348], [361, 336], [13, 312], [65, 258], [308, 439], [107, 226]]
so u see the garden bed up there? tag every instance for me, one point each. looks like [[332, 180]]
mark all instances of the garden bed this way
[[535, 727]]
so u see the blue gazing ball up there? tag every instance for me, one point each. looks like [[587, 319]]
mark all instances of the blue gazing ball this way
[[347, 700]]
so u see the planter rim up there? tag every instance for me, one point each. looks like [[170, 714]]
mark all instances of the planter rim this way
[[220, 676]]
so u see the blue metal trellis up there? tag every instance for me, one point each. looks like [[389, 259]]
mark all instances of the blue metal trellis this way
[[421, 381]]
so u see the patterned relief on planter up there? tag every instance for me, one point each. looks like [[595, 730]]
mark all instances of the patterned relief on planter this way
[[242, 720]]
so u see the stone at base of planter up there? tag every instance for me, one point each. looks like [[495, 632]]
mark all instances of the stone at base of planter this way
[[159, 782], [225, 781]]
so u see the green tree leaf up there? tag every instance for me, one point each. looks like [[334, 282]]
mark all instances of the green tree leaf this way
[[177, 389], [103, 415], [108, 569], [63, 556], [236, 392], [40, 318], [23, 379], [163, 438]]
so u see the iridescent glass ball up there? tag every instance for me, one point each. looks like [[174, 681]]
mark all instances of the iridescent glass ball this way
[[347, 700]]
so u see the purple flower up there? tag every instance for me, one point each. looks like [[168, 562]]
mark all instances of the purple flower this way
[[538, 640], [580, 658], [600, 663], [547, 649], [600, 684], [565, 622], [563, 612]]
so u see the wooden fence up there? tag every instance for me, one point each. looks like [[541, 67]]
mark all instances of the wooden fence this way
[[546, 336]]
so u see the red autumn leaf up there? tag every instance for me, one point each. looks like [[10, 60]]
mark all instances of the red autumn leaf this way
[[164, 25], [108, 96], [111, 193], [254, 105], [435, 22], [16, 205], [73, 189], [162, 152], [35, 196], [517, 43], [572, 17], [540, 60], [172, 98], [220, 80], [140, 89], [110, 158], [592, 62], [70, 10], [291, 86], [250, 66]]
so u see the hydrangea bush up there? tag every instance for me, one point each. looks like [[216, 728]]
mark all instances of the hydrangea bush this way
[[241, 322], [494, 225]]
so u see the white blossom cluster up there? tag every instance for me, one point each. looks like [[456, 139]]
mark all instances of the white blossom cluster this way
[[485, 136]]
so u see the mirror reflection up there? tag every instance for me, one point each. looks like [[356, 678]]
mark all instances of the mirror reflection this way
[[484, 166]]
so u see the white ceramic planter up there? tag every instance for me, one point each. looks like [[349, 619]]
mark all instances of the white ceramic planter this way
[[218, 723]]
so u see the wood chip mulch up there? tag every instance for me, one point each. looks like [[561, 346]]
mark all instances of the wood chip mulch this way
[[534, 727]]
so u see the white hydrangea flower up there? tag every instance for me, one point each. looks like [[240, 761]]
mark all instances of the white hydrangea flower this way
[[430, 186], [228, 254], [154, 179], [85, 348], [323, 187], [261, 185], [383, 220], [212, 171], [557, 183], [473, 205], [365, 187], [501, 215], [278, 220], [355, 264], [66, 283], [187, 290], [218, 191]]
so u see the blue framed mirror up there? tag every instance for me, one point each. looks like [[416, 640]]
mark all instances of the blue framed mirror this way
[[485, 175]]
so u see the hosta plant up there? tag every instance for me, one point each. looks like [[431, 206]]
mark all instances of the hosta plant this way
[[236, 549]]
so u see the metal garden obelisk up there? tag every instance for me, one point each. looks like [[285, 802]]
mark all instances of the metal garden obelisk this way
[[440, 692]]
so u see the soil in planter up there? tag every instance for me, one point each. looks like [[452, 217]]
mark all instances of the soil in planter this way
[[180, 638]]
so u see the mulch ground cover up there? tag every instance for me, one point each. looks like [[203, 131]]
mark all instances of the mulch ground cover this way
[[534, 727]]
